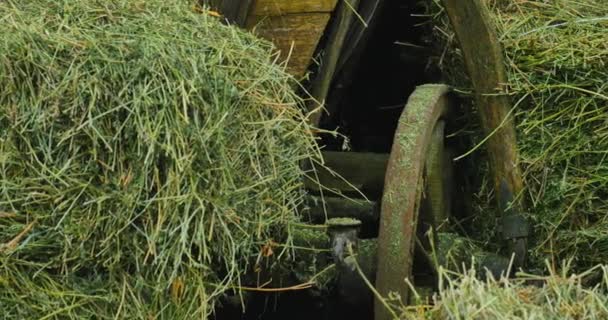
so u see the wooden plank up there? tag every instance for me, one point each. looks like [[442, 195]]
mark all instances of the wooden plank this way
[[301, 32], [359, 33], [336, 40], [357, 172], [322, 209], [283, 7], [355, 46], [484, 61]]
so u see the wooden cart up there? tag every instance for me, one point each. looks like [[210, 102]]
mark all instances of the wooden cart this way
[[413, 175]]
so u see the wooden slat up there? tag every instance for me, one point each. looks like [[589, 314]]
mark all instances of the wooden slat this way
[[357, 173], [282, 7], [303, 31], [336, 40]]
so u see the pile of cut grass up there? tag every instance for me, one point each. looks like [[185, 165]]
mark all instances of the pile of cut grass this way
[[148, 158], [556, 296], [557, 61], [557, 57]]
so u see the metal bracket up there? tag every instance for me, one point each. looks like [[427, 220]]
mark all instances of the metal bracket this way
[[515, 229], [514, 226]]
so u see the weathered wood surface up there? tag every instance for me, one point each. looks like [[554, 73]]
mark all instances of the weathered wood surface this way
[[283, 7], [296, 36], [356, 44], [484, 61], [356, 172], [329, 64], [295, 26], [360, 32], [322, 209], [403, 189], [438, 181]]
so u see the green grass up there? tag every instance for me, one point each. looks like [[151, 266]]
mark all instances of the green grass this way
[[558, 295], [556, 57], [557, 54], [148, 154]]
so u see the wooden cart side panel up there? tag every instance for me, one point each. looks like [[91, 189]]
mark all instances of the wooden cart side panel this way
[[283, 7], [294, 26], [296, 36]]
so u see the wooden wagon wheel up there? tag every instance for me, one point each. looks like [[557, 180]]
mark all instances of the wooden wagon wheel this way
[[415, 158]]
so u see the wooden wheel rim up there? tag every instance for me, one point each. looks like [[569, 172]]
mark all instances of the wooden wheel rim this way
[[403, 188]]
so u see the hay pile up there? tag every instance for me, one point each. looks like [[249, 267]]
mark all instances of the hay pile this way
[[528, 297], [557, 61], [148, 158], [557, 52]]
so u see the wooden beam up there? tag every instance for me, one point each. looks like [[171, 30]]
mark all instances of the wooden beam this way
[[483, 57], [356, 173], [283, 7], [355, 46], [329, 64], [296, 36]]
